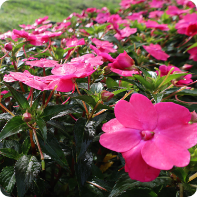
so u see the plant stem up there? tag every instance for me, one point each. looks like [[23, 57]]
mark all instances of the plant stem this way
[[7, 110], [33, 147], [192, 177]]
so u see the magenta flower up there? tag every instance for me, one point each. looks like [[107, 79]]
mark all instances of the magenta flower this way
[[150, 137], [40, 20], [157, 3], [136, 16], [43, 63], [102, 17], [104, 46], [156, 52], [61, 26], [155, 14], [123, 65], [187, 25], [42, 29], [27, 27], [154, 24], [164, 70], [193, 53], [126, 32], [174, 11]]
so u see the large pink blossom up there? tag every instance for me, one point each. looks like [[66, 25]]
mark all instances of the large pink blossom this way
[[173, 11], [102, 17], [123, 65], [164, 70], [150, 137], [156, 51]]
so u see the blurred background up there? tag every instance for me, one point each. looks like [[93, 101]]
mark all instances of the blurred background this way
[[13, 13]]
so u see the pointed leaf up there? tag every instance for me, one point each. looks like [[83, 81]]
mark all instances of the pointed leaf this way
[[13, 126], [7, 178], [26, 169], [43, 128], [52, 148], [21, 100], [88, 99], [26, 146], [11, 153], [51, 111]]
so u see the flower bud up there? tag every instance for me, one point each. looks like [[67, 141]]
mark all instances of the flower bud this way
[[8, 46], [106, 96], [194, 117], [187, 66], [27, 117]]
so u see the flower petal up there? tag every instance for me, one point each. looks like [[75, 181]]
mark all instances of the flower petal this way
[[112, 125], [137, 168], [121, 140], [171, 114], [163, 153], [138, 113]]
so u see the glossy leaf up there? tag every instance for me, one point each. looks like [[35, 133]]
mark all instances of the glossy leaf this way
[[13, 126], [43, 128], [11, 153], [7, 178], [21, 100], [26, 170]]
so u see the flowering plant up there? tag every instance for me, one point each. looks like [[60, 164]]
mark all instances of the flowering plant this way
[[102, 103]]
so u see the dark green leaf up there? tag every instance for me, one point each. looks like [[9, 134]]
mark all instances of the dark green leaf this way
[[13, 126], [26, 170], [147, 84], [26, 146], [2, 190], [88, 99], [126, 183], [82, 138], [51, 111], [181, 174], [7, 178], [11, 153], [43, 128], [52, 148], [21, 100]]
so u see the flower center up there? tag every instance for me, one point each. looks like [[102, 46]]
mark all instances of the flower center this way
[[147, 135]]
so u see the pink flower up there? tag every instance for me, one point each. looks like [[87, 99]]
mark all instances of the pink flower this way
[[173, 11], [155, 14], [156, 52], [123, 65], [150, 137], [91, 10], [193, 53], [43, 63], [42, 29], [61, 26], [157, 3], [126, 32], [8, 34], [102, 17], [136, 16], [40, 20], [154, 24], [104, 46], [187, 25], [72, 42], [27, 27], [164, 70], [105, 56]]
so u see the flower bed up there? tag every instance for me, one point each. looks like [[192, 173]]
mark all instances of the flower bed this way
[[102, 103]]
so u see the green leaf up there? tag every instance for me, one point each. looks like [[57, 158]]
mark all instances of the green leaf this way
[[2, 190], [82, 137], [51, 111], [120, 91], [96, 87], [52, 148], [26, 146], [7, 178], [170, 78], [43, 128], [26, 170], [13, 126], [193, 45], [111, 83], [17, 47], [11, 153], [21, 100], [181, 174], [88, 99], [144, 82], [126, 183]]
